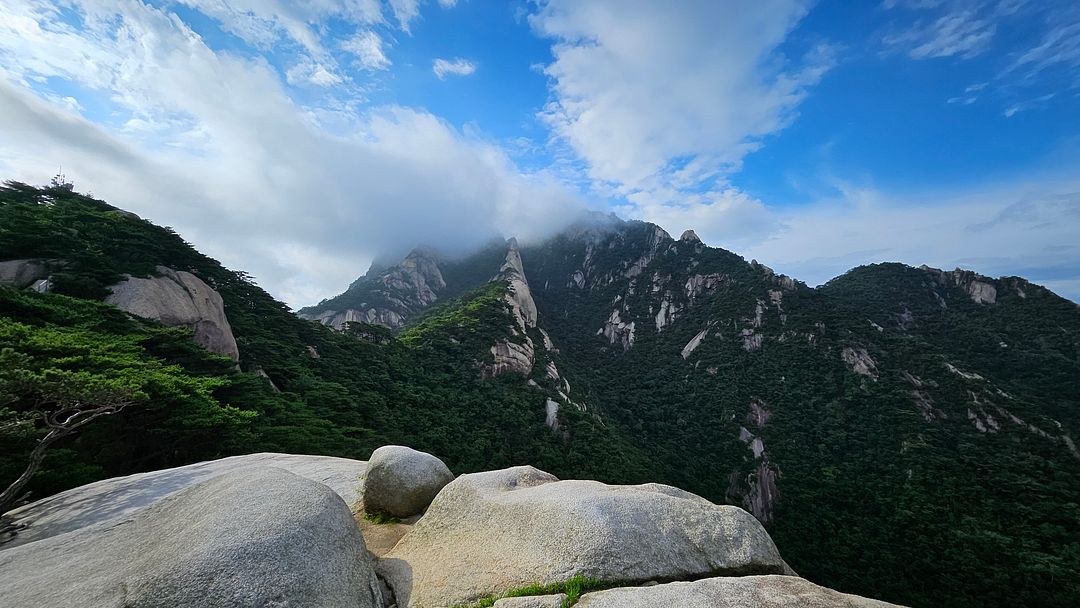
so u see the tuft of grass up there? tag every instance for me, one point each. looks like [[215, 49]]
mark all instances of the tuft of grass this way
[[573, 588], [381, 518]]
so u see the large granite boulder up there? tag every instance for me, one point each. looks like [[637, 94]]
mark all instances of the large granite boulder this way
[[256, 537], [489, 533], [401, 481], [123, 497], [730, 592], [179, 298]]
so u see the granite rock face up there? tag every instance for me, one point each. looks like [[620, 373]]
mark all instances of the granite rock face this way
[[979, 288], [179, 298], [510, 357], [519, 298], [256, 537], [729, 592], [401, 481], [23, 273], [488, 533], [391, 294], [340, 319]]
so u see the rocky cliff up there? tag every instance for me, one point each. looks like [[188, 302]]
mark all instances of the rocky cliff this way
[[887, 376]]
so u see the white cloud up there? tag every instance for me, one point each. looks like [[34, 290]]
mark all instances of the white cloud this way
[[662, 104], [453, 67], [310, 72], [215, 148], [367, 46], [263, 22], [1027, 104], [1026, 228], [1058, 49], [962, 33], [728, 217], [405, 11]]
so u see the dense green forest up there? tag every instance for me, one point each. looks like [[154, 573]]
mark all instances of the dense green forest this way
[[899, 439], [343, 396]]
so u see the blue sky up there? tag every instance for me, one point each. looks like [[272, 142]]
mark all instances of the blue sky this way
[[297, 140]]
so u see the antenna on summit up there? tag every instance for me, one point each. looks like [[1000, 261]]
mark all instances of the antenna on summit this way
[[60, 180]]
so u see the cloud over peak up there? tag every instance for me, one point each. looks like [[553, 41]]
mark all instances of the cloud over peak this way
[[661, 105], [243, 171]]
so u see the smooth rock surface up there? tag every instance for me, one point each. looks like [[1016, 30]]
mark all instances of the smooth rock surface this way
[[338, 320], [401, 481], [121, 497], [22, 273], [178, 298], [729, 592], [489, 533], [532, 601], [259, 537]]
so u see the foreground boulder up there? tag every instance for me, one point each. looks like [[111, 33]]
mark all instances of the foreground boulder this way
[[734, 592], [125, 496], [489, 533], [256, 537], [401, 481], [178, 298]]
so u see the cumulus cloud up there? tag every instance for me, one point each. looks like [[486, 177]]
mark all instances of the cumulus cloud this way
[[661, 105], [452, 67], [225, 156]]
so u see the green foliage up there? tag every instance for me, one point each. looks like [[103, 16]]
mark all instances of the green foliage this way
[[573, 587], [381, 518], [70, 352]]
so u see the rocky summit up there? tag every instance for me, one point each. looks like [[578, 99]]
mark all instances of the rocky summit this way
[[267, 531], [907, 434]]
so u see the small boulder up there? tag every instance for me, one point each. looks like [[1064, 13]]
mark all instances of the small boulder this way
[[401, 482], [730, 592], [489, 533], [261, 536]]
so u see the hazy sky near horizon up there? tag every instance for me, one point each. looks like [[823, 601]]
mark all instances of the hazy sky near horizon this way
[[296, 140]]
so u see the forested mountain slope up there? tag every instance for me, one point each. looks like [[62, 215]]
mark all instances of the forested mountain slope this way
[[904, 433], [300, 387]]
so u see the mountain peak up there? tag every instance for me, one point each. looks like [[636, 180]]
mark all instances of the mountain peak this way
[[689, 235], [520, 298]]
